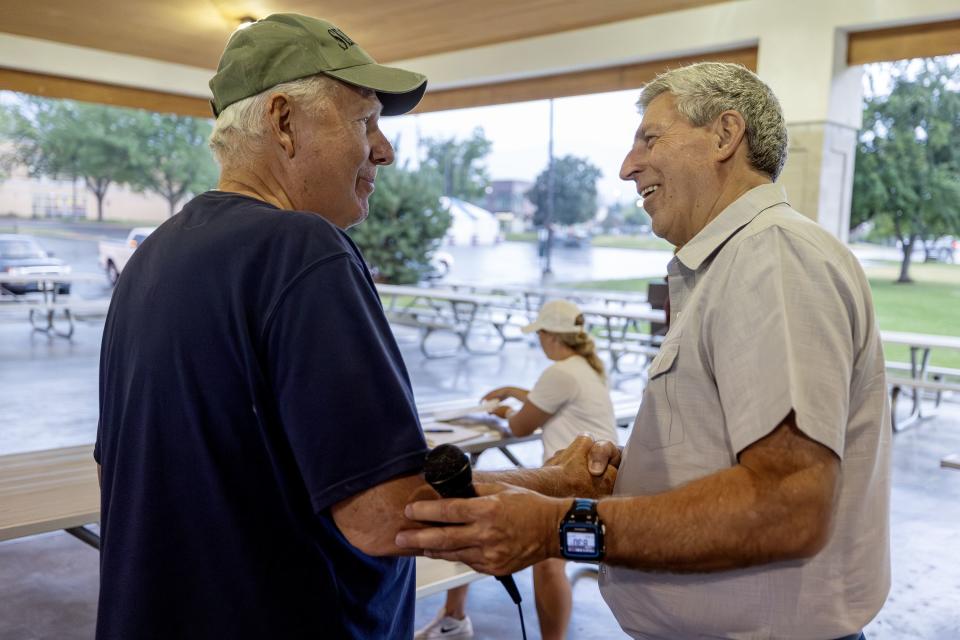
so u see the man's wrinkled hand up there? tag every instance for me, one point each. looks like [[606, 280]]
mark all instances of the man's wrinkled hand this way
[[504, 530], [589, 467]]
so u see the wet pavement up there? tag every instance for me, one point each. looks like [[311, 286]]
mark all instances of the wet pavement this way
[[519, 263]]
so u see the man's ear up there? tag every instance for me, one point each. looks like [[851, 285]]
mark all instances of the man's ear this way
[[730, 129], [280, 113]]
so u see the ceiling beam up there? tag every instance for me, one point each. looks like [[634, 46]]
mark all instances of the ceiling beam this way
[[900, 43], [630, 76], [50, 86]]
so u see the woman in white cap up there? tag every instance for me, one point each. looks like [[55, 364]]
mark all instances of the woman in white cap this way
[[570, 397]]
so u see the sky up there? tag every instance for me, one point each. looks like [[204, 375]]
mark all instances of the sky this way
[[599, 127]]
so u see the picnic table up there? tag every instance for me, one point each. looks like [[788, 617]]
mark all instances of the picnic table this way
[[530, 299], [47, 284], [54, 489], [45, 491], [624, 326], [492, 433], [43, 307], [446, 310], [624, 331], [922, 378], [435, 576]]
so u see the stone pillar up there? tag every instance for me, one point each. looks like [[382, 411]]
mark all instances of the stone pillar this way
[[818, 175], [822, 103]]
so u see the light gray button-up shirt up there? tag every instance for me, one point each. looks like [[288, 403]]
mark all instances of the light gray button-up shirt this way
[[769, 313]]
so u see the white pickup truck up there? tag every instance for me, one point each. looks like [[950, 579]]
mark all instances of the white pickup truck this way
[[114, 254]]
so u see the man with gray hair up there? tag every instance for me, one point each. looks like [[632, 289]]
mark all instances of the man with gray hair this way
[[244, 356], [752, 497], [258, 436]]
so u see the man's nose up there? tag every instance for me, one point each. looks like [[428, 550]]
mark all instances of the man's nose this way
[[381, 151], [631, 165]]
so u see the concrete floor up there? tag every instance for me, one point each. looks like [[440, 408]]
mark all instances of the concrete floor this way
[[48, 583]]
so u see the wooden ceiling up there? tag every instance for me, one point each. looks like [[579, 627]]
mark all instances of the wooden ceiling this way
[[193, 32]]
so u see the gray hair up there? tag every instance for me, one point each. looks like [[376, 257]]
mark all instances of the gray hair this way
[[239, 131], [706, 89]]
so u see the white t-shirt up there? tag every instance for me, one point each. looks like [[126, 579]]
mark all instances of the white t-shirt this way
[[579, 400]]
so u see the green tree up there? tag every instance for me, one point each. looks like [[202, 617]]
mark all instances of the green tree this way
[[635, 216], [6, 132], [625, 214], [459, 164], [907, 177], [405, 224], [574, 191], [63, 138], [173, 156]]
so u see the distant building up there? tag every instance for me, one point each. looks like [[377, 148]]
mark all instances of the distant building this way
[[510, 196], [508, 200], [42, 197], [470, 224]]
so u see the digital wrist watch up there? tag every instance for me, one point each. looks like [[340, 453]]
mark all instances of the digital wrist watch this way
[[581, 532]]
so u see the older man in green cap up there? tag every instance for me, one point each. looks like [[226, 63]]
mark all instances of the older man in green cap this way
[[258, 436], [245, 360]]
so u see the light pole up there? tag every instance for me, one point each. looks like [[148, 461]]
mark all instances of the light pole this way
[[548, 219]]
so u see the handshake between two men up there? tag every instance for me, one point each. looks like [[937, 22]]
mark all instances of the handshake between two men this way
[[513, 523]]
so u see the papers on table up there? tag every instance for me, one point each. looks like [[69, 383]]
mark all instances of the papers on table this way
[[459, 412], [459, 424], [438, 433]]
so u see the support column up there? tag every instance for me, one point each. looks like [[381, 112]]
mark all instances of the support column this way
[[818, 176], [822, 103]]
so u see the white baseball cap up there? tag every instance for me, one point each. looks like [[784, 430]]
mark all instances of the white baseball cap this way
[[557, 316]]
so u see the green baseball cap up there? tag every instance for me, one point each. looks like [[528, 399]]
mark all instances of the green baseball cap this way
[[288, 46]]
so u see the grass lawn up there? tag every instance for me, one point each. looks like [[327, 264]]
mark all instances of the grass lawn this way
[[632, 242], [635, 285], [931, 304], [526, 236]]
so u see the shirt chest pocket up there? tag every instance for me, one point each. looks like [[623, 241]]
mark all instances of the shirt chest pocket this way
[[658, 423]]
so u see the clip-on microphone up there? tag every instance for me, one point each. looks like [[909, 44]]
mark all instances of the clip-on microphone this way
[[448, 471]]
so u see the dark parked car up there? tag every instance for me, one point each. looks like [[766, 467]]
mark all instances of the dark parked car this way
[[21, 255]]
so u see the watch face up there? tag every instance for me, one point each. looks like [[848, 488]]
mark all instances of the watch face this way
[[581, 543]]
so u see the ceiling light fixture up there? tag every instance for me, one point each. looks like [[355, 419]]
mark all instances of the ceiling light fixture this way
[[245, 22]]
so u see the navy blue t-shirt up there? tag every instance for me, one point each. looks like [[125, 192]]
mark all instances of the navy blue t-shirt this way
[[248, 382]]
